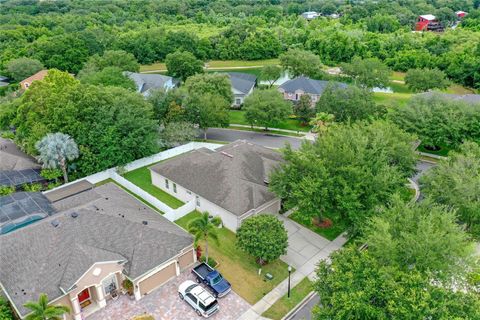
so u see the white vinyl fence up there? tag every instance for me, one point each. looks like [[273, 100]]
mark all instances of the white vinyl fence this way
[[169, 213]]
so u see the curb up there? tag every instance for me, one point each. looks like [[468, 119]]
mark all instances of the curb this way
[[302, 303]]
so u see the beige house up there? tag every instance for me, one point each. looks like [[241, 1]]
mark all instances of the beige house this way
[[80, 256], [230, 182], [26, 83]]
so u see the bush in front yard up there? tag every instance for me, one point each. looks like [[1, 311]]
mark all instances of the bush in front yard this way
[[264, 237]]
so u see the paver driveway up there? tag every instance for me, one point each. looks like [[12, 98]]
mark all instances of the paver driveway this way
[[164, 304]]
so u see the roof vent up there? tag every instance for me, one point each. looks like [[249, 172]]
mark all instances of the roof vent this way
[[226, 154], [74, 214], [145, 222], [55, 223]]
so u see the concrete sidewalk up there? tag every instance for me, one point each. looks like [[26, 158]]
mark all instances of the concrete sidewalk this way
[[305, 270], [306, 135]]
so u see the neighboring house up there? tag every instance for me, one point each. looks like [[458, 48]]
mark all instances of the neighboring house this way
[[230, 182], [3, 81], [26, 83], [468, 98], [293, 89], [147, 82], [428, 22], [242, 86], [16, 167], [461, 14], [310, 15], [80, 254]]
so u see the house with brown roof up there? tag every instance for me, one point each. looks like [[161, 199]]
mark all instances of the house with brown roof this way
[[230, 182], [86, 244], [26, 83]]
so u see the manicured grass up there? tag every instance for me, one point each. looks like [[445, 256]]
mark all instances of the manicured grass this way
[[400, 76], [237, 117], [392, 100], [458, 89], [238, 267], [280, 308], [399, 87], [218, 64], [444, 150], [133, 194], [331, 233], [142, 178]]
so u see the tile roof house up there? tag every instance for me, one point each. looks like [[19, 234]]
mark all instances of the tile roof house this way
[[16, 167], [230, 182], [147, 82], [81, 254], [26, 83], [293, 89], [242, 86]]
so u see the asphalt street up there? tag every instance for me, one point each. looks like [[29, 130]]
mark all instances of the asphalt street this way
[[260, 138]]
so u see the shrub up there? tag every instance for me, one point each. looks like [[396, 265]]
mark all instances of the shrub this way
[[6, 190], [32, 187], [5, 310], [211, 262]]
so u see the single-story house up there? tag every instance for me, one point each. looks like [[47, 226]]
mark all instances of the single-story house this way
[[230, 182], [40, 75], [81, 254], [310, 15], [293, 89], [242, 86], [147, 82], [467, 98], [16, 167]]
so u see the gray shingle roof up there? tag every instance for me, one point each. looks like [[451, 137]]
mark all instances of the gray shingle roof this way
[[12, 158], [308, 85], [242, 82], [146, 82], [109, 226], [233, 177], [468, 98]]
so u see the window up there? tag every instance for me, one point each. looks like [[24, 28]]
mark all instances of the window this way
[[166, 183], [174, 188], [192, 298], [198, 200], [109, 284], [238, 101]]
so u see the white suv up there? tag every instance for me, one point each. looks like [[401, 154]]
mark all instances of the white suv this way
[[200, 299]]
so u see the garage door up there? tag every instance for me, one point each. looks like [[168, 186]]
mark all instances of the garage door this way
[[185, 260], [157, 279]]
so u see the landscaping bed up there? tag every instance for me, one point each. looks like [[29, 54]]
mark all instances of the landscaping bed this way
[[238, 267], [337, 227], [280, 308], [142, 178], [441, 151]]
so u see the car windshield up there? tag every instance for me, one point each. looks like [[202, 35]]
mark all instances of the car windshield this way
[[208, 307], [217, 279]]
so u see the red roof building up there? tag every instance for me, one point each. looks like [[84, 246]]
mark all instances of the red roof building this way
[[428, 22]]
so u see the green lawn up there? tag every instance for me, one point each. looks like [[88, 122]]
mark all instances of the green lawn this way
[[331, 233], [444, 150], [278, 132], [219, 64], [280, 308], [237, 117], [141, 177], [239, 268], [399, 76], [133, 194], [392, 100]]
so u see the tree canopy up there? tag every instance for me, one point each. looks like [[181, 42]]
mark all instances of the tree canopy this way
[[347, 172], [210, 83], [300, 62], [266, 108], [455, 182], [368, 73], [183, 64], [420, 80], [22, 68]]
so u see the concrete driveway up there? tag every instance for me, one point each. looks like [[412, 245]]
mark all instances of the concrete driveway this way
[[164, 304]]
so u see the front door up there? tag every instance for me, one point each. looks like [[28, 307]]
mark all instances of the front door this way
[[84, 298]]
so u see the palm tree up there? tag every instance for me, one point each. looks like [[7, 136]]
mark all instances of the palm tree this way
[[321, 121], [55, 149], [42, 311], [204, 228]]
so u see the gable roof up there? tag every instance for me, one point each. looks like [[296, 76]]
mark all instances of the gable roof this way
[[40, 75], [109, 226], [232, 177], [242, 82], [468, 98], [146, 82], [308, 85]]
